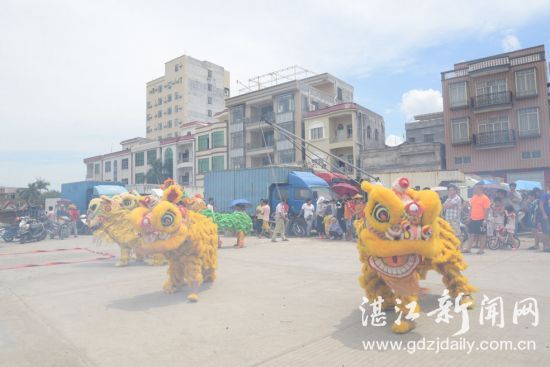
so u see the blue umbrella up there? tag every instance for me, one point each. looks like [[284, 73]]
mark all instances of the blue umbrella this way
[[240, 202], [527, 185]]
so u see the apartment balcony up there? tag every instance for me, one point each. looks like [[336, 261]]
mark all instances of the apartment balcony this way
[[268, 117], [495, 139], [492, 101], [252, 147], [185, 162]]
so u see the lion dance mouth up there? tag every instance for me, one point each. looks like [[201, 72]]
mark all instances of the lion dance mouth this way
[[395, 266]]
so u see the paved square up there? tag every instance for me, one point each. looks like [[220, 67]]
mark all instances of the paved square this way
[[284, 304]]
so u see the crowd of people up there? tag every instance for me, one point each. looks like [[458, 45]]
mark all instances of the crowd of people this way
[[329, 218], [485, 216]]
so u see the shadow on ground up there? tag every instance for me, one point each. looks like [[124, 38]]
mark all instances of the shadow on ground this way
[[154, 300], [351, 332]]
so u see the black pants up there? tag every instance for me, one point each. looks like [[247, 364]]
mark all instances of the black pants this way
[[320, 226]]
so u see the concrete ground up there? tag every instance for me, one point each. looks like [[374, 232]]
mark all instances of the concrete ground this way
[[285, 304]]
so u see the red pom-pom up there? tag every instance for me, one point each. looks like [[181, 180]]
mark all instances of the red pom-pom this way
[[404, 183]]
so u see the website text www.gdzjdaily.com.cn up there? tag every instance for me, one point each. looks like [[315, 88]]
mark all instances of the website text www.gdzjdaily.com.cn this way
[[438, 345]]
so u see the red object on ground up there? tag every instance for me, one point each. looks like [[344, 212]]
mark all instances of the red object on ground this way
[[102, 256], [344, 189]]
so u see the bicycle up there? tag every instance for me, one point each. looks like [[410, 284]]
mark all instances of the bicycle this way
[[503, 239]]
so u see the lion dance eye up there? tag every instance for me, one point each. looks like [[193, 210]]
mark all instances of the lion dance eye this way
[[381, 213], [426, 232], [127, 202], [167, 219]]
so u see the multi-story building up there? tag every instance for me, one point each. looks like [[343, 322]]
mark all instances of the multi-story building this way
[[190, 90], [131, 164], [496, 116], [283, 100], [426, 128], [343, 130], [211, 150]]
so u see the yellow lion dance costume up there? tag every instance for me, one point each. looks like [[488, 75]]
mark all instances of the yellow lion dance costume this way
[[108, 219], [402, 237], [187, 239]]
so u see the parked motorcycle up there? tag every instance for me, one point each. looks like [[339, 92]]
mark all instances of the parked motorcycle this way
[[10, 233], [57, 229], [31, 230]]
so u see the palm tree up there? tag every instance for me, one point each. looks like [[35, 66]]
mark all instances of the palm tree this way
[[157, 173], [32, 194]]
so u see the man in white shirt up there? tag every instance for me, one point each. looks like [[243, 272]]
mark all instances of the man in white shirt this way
[[321, 206], [280, 217], [308, 210], [515, 197]]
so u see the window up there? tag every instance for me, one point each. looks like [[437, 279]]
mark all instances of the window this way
[[531, 155], [526, 82], [302, 194], [209, 87], [125, 181], [209, 113], [458, 95], [177, 96], [218, 140], [140, 178], [286, 156], [237, 140], [528, 121], [204, 142], [339, 93], [463, 160], [349, 130], [316, 133], [428, 138], [412, 140], [209, 100], [169, 98], [184, 179], [151, 156], [160, 88], [237, 163], [490, 86], [210, 73], [460, 130], [96, 169], [159, 101], [169, 111], [169, 123], [237, 114], [285, 103], [226, 92], [218, 163], [124, 163], [176, 67], [140, 159], [376, 134], [204, 165], [493, 124], [289, 126], [368, 132]]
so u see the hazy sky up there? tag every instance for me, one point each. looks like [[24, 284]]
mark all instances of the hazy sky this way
[[73, 73]]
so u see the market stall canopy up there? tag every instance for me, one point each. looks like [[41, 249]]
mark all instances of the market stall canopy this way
[[332, 177], [343, 189], [527, 185]]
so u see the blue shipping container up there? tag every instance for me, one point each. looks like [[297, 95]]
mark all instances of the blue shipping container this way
[[80, 193], [251, 184]]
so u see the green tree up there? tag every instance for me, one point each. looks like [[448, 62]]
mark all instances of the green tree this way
[[158, 172], [32, 194]]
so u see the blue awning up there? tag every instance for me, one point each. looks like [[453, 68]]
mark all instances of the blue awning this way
[[305, 179], [109, 190]]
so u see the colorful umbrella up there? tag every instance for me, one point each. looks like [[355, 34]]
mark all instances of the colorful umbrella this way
[[343, 189]]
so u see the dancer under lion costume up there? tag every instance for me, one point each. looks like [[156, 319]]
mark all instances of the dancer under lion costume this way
[[187, 239], [402, 237]]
